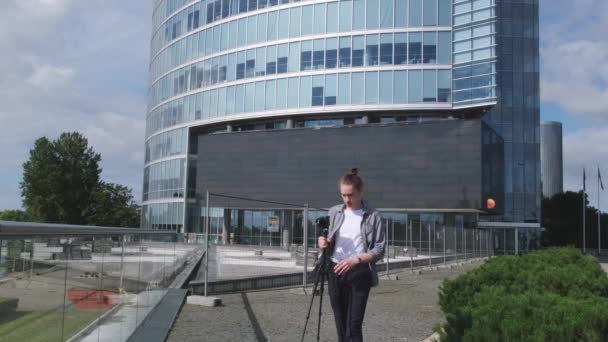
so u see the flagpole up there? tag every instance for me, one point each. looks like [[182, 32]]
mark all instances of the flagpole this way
[[584, 211], [599, 227], [584, 233]]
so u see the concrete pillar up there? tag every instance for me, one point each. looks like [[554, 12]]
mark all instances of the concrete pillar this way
[[226, 227], [289, 123]]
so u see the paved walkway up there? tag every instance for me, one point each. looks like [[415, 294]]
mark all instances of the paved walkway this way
[[398, 310]]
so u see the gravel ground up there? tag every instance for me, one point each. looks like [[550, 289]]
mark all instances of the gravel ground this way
[[398, 310]]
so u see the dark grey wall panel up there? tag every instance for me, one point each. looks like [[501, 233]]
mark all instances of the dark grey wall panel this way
[[427, 165]]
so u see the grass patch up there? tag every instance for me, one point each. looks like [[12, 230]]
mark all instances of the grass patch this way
[[45, 326]]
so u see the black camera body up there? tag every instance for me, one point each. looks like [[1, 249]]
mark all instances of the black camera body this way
[[323, 225], [323, 222]]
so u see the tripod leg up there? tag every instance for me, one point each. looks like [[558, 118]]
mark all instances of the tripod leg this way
[[312, 298], [323, 271]]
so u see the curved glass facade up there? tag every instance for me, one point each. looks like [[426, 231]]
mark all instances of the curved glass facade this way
[[225, 61]]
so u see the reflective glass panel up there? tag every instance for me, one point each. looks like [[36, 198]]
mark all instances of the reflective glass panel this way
[[415, 14], [386, 87], [293, 91], [401, 11], [400, 87], [430, 12], [430, 86], [372, 13], [371, 87], [358, 14], [346, 15], [294, 24], [319, 26], [357, 88], [332, 17], [415, 86], [371, 50], [343, 89], [386, 13]]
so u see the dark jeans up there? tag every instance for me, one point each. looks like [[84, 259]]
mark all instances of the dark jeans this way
[[348, 295]]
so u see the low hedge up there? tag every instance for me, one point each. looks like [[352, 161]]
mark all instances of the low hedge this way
[[551, 295]]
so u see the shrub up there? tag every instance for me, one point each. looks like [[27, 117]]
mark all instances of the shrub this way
[[552, 295]]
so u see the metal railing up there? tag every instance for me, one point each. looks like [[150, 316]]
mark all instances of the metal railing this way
[[256, 244], [71, 283]]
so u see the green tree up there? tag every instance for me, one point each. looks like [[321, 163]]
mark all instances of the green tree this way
[[562, 220], [16, 216], [112, 205], [59, 178]]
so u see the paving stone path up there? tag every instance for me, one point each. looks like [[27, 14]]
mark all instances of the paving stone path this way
[[398, 310]]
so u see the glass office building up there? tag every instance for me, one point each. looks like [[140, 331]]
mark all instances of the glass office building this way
[[229, 66]]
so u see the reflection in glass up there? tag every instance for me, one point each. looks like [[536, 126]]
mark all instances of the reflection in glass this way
[[415, 86], [371, 87], [343, 89], [400, 87], [357, 88], [386, 83], [371, 50], [345, 52]]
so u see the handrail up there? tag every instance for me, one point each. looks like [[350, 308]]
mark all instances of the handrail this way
[[15, 229]]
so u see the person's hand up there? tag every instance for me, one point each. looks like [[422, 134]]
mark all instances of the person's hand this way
[[346, 265], [323, 242]]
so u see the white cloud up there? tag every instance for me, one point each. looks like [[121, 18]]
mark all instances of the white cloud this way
[[574, 56], [45, 77], [74, 66], [575, 76]]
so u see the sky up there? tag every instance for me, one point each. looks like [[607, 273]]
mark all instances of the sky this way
[[82, 65]]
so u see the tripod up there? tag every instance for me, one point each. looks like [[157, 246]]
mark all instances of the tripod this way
[[322, 274]]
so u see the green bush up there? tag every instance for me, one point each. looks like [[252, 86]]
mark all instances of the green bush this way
[[552, 295]]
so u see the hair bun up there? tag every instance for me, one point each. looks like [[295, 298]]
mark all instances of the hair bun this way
[[354, 171]]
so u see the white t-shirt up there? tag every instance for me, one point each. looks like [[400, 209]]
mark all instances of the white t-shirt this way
[[349, 241]]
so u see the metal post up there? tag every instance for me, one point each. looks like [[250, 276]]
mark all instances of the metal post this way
[[22, 259], [444, 243], [584, 213], [488, 235], [420, 236], [411, 251], [122, 259], [305, 227], [206, 242], [464, 232], [455, 244], [32, 259], [474, 242], [430, 261], [388, 248], [599, 223], [516, 237], [65, 293], [504, 241], [393, 231]]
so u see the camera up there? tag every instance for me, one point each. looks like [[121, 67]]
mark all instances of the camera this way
[[322, 222], [322, 225]]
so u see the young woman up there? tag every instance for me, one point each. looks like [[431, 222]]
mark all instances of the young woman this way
[[354, 244]]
